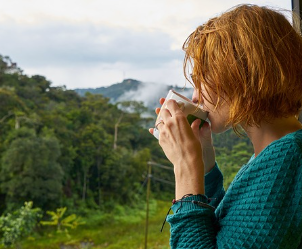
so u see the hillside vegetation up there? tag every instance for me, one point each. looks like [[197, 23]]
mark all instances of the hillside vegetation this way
[[59, 149]]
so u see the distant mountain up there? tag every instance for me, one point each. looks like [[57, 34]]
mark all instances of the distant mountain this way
[[114, 91], [130, 89]]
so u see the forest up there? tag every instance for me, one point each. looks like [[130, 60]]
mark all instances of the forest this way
[[82, 153]]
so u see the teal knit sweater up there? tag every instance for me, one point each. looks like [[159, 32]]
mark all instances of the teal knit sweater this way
[[262, 208]]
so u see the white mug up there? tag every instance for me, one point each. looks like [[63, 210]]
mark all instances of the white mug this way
[[191, 110]]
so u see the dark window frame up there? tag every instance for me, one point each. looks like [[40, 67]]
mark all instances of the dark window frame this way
[[297, 8]]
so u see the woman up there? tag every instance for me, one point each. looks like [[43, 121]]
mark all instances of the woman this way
[[247, 73]]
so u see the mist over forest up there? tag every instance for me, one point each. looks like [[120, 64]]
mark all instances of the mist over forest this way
[[133, 90]]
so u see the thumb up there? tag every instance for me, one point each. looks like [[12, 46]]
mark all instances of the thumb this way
[[205, 134]]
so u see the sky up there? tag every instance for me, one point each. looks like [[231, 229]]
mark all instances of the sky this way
[[95, 43]]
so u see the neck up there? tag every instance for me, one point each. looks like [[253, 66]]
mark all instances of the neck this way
[[266, 133]]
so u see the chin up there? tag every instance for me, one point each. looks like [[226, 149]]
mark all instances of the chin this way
[[219, 128], [219, 131]]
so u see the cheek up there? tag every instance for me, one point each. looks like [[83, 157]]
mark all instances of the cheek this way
[[208, 107], [218, 122]]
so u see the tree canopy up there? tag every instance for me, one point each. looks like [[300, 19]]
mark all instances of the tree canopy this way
[[61, 149]]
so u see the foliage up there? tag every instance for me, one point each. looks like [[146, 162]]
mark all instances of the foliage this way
[[85, 153], [60, 149], [230, 161], [19, 224], [71, 221], [124, 227], [29, 168]]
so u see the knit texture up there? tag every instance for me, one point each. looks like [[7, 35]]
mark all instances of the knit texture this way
[[261, 209]]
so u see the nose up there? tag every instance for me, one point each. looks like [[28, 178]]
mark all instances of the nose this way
[[195, 96]]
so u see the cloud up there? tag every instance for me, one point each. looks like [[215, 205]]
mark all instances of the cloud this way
[[90, 43], [105, 74], [150, 92], [79, 54], [56, 43]]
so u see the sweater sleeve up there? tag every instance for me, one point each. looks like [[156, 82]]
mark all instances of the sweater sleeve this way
[[261, 209], [192, 226], [214, 186]]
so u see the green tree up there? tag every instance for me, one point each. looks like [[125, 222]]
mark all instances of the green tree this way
[[30, 170], [92, 149], [230, 161]]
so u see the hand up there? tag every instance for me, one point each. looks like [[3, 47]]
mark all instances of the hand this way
[[182, 146], [205, 138]]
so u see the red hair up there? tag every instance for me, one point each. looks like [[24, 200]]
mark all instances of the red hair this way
[[250, 57]]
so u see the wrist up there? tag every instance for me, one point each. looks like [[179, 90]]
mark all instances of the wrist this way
[[182, 188], [191, 168], [189, 181], [209, 168], [189, 174]]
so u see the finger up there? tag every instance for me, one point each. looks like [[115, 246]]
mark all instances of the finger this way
[[157, 110], [151, 130], [158, 125], [205, 130], [162, 100], [165, 114], [195, 128], [205, 134], [173, 107]]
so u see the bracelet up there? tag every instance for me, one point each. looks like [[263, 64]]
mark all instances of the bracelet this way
[[181, 200], [199, 203]]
